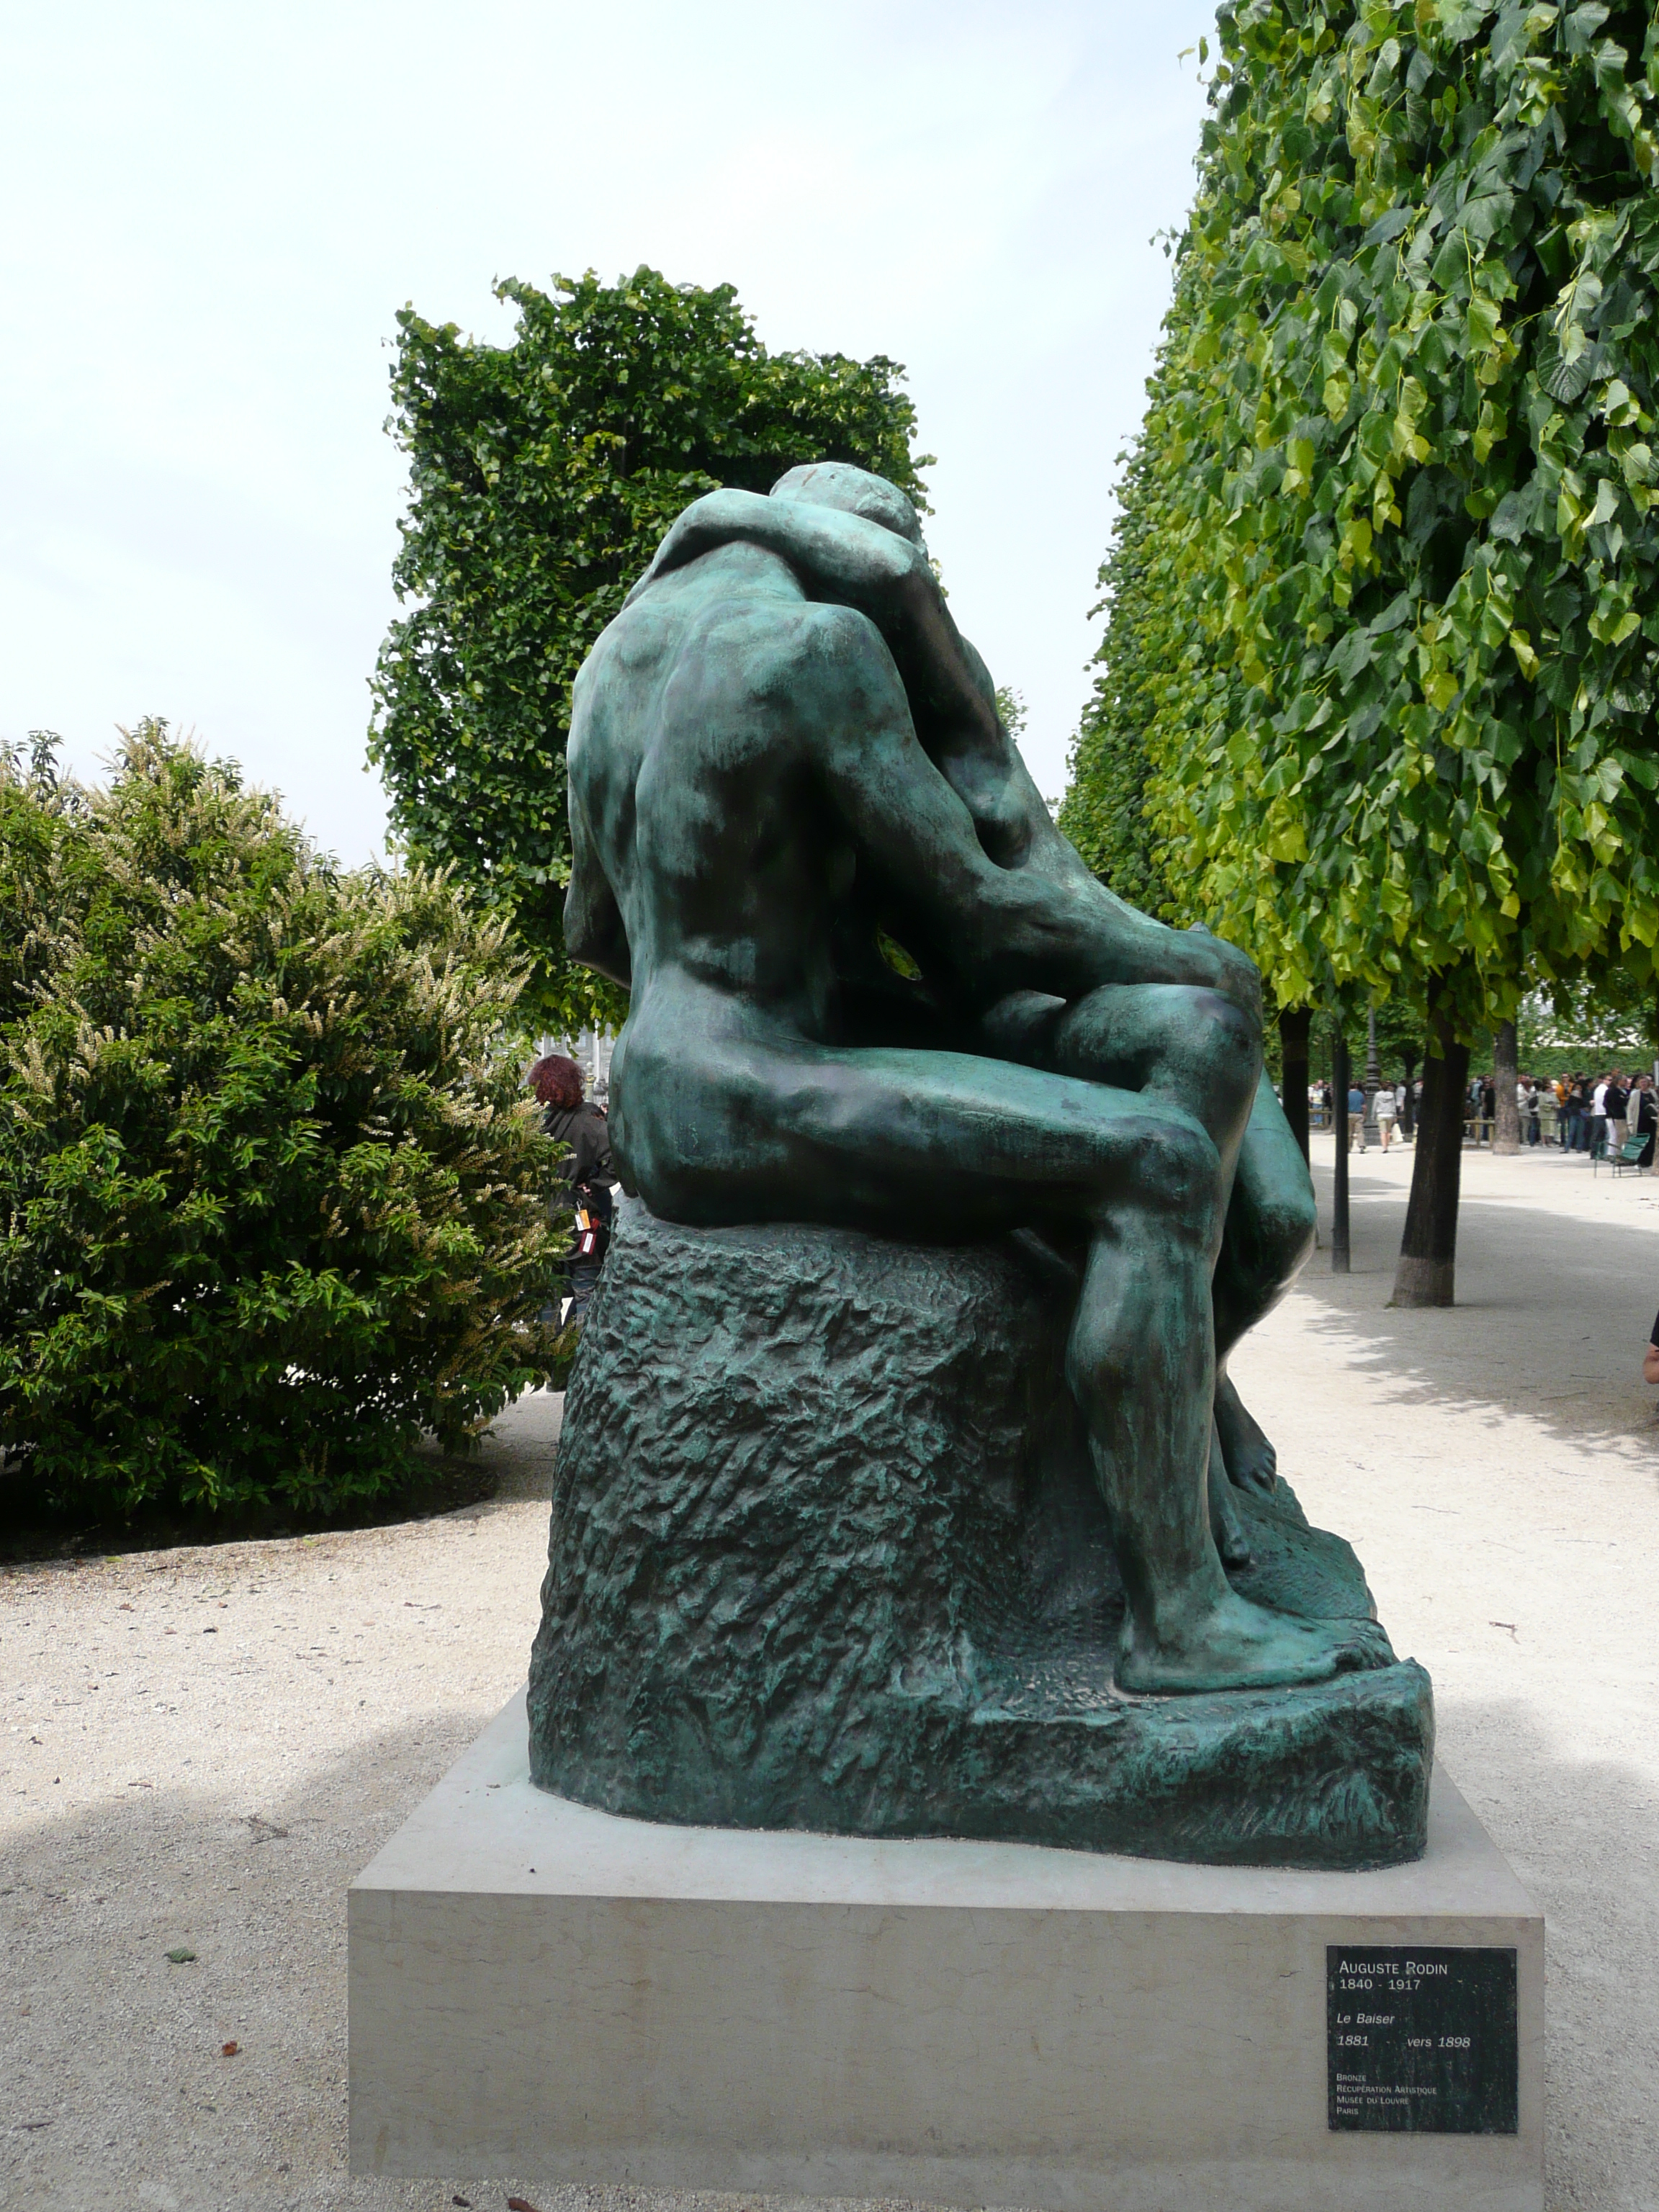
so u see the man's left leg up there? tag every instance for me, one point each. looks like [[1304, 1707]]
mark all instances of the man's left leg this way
[[1111, 1037], [1270, 1218]]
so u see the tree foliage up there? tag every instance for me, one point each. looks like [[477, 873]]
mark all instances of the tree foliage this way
[[272, 1198], [542, 475], [1385, 596], [1104, 810]]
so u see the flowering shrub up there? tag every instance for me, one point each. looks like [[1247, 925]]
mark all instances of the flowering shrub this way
[[272, 1200]]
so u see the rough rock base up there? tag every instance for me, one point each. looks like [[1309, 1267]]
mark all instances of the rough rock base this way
[[826, 1554]]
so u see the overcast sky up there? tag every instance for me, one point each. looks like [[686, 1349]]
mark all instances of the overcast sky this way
[[213, 213]]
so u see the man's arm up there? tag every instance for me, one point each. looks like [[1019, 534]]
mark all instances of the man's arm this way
[[1059, 912], [1045, 927], [852, 562], [593, 929]]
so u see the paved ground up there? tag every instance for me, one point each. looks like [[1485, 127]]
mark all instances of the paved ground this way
[[199, 1748], [1498, 1468]]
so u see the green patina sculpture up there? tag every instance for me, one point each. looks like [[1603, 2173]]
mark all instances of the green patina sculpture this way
[[873, 988]]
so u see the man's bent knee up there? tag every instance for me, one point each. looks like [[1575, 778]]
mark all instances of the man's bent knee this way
[[1223, 1035], [1184, 1040], [1168, 1168], [1214, 1050], [1267, 1244]]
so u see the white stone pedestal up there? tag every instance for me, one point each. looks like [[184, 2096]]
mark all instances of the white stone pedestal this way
[[539, 1989]]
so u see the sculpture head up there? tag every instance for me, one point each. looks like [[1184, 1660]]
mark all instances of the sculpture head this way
[[855, 491]]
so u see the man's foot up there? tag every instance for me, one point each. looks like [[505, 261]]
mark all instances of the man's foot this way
[[1225, 1527], [1235, 1645], [1251, 1462]]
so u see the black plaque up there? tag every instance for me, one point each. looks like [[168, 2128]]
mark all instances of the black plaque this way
[[1422, 2040]]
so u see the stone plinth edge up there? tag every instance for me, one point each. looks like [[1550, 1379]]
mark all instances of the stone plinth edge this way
[[542, 1988]]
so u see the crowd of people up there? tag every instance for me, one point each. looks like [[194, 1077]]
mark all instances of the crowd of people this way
[[1600, 1114], [1595, 1116]]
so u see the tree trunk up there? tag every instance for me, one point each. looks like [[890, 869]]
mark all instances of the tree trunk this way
[[1428, 1250], [1506, 1133], [1293, 1024], [1339, 1263]]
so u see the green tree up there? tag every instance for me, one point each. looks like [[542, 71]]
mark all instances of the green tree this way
[[1104, 810], [1394, 550], [1586, 1028], [542, 475], [272, 1200]]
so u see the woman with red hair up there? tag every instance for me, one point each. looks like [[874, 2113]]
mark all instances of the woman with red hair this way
[[579, 1126]]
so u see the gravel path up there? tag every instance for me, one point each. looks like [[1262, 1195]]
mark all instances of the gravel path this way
[[200, 1747]]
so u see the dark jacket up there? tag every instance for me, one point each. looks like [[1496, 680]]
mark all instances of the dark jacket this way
[[583, 1129], [586, 1171]]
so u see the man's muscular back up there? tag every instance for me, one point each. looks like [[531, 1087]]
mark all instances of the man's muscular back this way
[[782, 743], [697, 798]]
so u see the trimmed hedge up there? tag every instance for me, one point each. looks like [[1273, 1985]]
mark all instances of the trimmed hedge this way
[[542, 476]]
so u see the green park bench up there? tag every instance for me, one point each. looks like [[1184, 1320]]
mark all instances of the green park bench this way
[[1626, 1159]]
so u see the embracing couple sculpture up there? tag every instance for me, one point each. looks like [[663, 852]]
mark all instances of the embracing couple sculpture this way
[[902, 1490], [782, 752]]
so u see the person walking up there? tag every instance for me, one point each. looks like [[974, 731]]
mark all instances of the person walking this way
[[1617, 1105], [1355, 1118], [1388, 1109], [586, 1174], [1532, 1111], [1598, 1118], [1644, 1115]]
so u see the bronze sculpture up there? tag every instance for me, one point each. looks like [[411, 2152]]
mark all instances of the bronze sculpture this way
[[873, 987]]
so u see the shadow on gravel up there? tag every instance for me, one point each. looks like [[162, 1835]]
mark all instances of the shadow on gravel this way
[[118, 2094], [32, 1531], [1553, 1316], [1583, 1836], [513, 1456]]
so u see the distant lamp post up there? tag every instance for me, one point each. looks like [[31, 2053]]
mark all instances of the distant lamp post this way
[[1340, 1263], [1373, 1080]]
